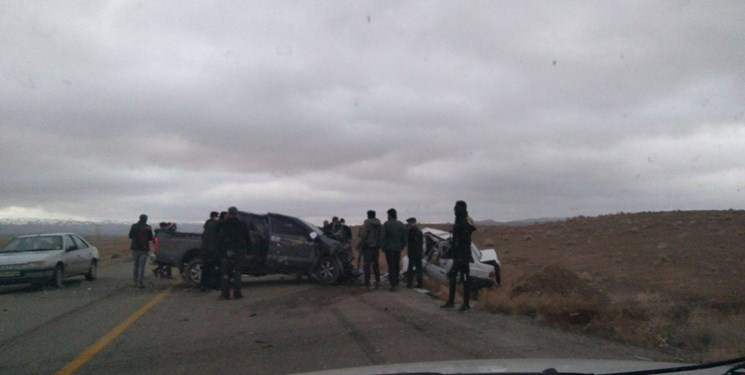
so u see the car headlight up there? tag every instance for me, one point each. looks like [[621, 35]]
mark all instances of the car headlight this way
[[37, 264]]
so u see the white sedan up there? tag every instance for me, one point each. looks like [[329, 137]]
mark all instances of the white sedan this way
[[47, 258], [485, 269]]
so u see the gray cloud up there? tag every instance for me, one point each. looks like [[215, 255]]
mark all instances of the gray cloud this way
[[524, 109]]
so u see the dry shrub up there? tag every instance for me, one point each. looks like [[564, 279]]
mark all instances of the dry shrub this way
[[636, 324], [554, 295], [554, 280], [714, 334], [706, 333]]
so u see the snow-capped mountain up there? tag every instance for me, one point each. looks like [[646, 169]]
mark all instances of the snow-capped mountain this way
[[13, 227]]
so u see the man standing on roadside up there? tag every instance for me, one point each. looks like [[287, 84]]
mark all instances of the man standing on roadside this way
[[235, 243], [141, 234], [393, 239], [369, 247], [415, 239], [210, 257], [460, 252]]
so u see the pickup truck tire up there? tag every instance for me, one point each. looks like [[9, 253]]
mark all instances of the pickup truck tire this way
[[327, 270], [193, 271]]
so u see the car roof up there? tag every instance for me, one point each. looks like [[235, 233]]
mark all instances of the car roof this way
[[46, 234]]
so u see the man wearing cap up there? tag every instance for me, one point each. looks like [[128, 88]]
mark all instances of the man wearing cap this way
[[235, 243], [460, 252], [393, 238], [141, 234], [414, 244]]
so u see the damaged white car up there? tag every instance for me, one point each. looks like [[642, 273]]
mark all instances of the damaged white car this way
[[485, 269]]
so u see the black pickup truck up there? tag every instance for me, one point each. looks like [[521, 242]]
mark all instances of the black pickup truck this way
[[281, 245]]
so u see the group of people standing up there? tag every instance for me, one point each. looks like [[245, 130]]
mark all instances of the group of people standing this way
[[337, 229], [392, 236], [226, 240]]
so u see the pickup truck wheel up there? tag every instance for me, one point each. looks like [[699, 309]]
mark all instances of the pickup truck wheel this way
[[193, 271], [327, 270]]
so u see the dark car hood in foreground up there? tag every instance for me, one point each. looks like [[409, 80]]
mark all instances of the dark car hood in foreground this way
[[519, 366]]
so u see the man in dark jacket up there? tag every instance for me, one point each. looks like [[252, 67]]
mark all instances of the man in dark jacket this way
[[393, 240], [141, 234], [235, 243], [210, 257], [414, 243], [335, 228], [460, 252], [369, 247], [346, 232]]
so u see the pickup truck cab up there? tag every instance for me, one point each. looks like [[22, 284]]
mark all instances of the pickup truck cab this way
[[281, 244]]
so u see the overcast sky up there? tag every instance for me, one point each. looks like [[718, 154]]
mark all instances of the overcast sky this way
[[109, 109]]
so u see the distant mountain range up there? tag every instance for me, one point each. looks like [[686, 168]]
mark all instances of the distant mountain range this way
[[14, 227]]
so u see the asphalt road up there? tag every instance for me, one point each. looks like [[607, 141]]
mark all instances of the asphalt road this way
[[282, 326]]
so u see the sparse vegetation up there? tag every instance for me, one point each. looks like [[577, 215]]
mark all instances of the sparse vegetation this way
[[667, 280]]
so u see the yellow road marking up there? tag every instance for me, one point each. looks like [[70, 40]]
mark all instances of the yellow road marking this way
[[92, 350]]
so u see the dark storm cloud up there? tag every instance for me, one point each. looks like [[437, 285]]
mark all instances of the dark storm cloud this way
[[523, 108]]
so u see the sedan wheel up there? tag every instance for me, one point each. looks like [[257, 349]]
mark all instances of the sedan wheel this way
[[92, 271], [58, 276]]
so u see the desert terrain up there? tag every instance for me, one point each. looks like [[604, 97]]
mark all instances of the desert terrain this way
[[666, 280]]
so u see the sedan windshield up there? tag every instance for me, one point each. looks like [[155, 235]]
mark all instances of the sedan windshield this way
[[37, 243]]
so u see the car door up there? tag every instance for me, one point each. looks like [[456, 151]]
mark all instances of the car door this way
[[73, 257], [290, 244], [86, 252], [256, 259]]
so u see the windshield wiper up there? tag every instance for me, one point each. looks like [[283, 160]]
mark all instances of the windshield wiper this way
[[738, 362], [738, 369]]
